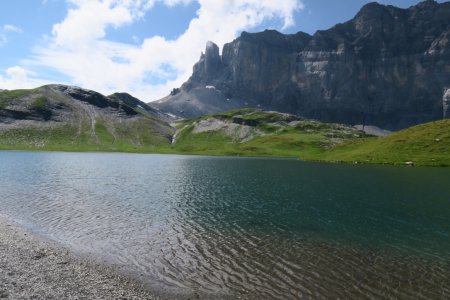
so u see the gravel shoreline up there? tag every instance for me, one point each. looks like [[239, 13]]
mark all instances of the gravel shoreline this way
[[32, 267]]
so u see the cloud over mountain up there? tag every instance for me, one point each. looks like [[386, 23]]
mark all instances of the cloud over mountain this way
[[78, 47]]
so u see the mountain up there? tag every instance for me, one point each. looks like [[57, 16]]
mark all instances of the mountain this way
[[388, 67], [59, 117], [64, 118]]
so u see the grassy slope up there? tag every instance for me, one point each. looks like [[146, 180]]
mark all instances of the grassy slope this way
[[426, 144], [129, 135], [279, 139], [135, 136], [7, 96]]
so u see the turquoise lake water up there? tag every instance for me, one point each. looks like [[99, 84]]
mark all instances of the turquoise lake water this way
[[253, 228]]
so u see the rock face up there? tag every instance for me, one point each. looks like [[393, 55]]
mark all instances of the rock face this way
[[446, 103], [386, 67]]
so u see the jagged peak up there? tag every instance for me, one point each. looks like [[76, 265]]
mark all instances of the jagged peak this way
[[371, 7], [210, 44], [211, 49], [369, 10], [212, 52], [268, 33], [426, 3]]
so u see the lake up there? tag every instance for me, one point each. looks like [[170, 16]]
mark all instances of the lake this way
[[255, 228]]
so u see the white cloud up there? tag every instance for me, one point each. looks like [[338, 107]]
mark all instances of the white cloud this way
[[20, 78], [78, 48], [3, 39], [5, 30], [11, 28]]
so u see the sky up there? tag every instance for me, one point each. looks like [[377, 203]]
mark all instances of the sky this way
[[142, 47]]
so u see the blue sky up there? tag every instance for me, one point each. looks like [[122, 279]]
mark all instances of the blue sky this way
[[144, 47]]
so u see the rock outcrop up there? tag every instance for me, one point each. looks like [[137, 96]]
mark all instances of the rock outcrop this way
[[386, 67], [446, 104]]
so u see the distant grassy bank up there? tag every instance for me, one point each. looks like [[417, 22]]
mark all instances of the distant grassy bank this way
[[425, 145]]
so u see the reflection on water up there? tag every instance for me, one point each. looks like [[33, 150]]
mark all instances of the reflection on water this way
[[255, 228]]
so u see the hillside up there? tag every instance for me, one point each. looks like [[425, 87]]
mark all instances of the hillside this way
[[426, 144], [58, 117], [386, 67], [253, 132]]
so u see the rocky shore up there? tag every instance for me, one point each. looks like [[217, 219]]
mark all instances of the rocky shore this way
[[34, 268]]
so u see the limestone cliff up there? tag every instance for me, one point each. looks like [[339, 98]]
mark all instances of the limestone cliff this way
[[387, 67]]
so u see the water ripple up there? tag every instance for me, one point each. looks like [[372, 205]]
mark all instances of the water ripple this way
[[254, 228]]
